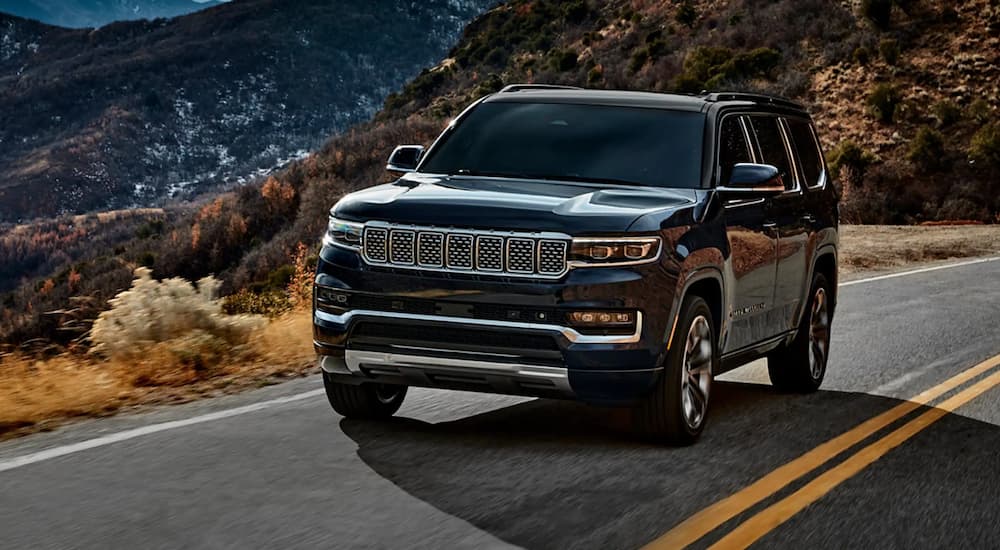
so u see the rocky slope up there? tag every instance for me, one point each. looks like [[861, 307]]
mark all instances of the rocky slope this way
[[136, 111], [96, 13]]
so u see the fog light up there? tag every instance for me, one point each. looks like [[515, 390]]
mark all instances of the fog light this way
[[602, 318]]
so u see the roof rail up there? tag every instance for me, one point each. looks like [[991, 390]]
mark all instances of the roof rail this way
[[755, 98], [528, 87]]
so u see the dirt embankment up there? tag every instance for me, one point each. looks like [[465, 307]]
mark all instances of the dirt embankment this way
[[881, 247]]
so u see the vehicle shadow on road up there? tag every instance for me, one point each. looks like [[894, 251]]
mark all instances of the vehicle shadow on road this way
[[552, 474]]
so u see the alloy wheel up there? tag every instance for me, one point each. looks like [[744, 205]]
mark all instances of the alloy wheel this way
[[697, 372], [819, 334]]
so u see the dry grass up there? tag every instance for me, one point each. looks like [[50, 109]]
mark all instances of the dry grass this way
[[37, 394], [879, 247], [161, 341]]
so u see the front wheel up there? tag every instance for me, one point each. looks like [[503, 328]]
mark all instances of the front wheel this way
[[677, 409], [366, 401], [800, 366]]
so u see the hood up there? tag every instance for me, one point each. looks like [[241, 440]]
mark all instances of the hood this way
[[516, 204]]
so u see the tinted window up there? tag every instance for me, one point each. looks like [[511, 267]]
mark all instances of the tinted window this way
[[772, 147], [733, 148], [574, 142], [808, 150]]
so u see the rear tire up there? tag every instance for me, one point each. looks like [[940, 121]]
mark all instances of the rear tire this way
[[364, 401], [676, 410], [800, 366]]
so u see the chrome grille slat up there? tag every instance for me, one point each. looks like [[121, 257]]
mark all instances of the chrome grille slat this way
[[459, 251], [501, 253], [401, 247], [520, 255], [430, 249], [489, 253], [375, 245]]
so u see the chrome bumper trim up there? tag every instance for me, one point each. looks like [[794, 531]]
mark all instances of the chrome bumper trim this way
[[374, 359], [569, 333]]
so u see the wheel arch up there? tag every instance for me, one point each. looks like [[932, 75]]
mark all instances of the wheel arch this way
[[825, 262], [705, 282]]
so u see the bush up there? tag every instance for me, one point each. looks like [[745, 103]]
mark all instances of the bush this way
[[861, 55], [171, 311], [849, 155], [980, 111], [883, 101], [563, 61], [686, 14], [946, 113], [595, 75], [639, 59], [878, 12], [985, 146], [889, 50], [927, 150]]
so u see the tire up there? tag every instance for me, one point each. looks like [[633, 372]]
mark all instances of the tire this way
[[364, 401], [676, 411], [800, 366]]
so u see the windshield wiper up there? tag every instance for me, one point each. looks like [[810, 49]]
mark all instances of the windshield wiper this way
[[546, 177], [581, 179]]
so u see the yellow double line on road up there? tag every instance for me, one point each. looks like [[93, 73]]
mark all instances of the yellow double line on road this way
[[709, 519]]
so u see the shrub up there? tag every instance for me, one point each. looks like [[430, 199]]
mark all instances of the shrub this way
[[171, 311], [861, 55], [851, 156], [595, 75], [883, 101], [878, 12], [946, 113], [927, 150], [639, 59], [686, 14], [985, 146], [889, 50], [980, 111], [564, 60]]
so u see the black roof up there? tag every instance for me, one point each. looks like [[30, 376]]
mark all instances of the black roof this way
[[529, 93]]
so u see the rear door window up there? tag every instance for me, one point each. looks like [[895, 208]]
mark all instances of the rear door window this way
[[733, 147], [772, 147], [807, 147]]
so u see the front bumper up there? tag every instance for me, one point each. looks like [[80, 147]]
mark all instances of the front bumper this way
[[523, 357]]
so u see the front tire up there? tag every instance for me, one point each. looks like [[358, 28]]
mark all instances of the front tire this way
[[677, 409], [364, 401], [801, 366]]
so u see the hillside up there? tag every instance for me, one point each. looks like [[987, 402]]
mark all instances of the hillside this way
[[906, 101], [137, 111], [96, 13]]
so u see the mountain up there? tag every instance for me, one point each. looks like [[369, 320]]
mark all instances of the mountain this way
[[97, 13], [133, 112], [904, 93]]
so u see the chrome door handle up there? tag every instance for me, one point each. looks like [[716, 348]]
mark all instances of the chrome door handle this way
[[770, 225], [809, 218]]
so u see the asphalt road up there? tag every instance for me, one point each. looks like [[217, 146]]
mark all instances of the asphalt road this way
[[276, 468]]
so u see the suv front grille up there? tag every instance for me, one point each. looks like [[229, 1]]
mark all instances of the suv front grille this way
[[466, 251]]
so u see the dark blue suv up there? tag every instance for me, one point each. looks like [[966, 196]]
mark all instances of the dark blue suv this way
[[619, 248]]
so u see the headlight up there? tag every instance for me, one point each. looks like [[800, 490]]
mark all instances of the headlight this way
[[614, 251], [344, 234]]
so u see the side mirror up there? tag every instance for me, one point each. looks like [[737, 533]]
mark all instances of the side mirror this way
[[405, 158], [757, 180]]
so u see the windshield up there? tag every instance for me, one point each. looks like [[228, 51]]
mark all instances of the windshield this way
[[650, 147]]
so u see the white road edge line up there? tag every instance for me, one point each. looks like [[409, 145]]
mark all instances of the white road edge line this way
[[64, 450], [921, 270]]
